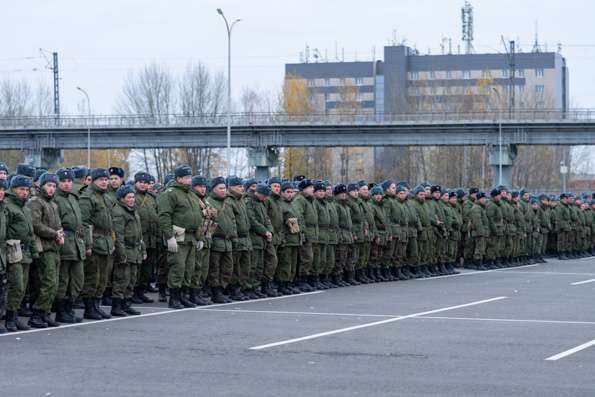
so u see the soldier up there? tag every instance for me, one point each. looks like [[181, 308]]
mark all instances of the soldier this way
[[497, 229], [261, 235], [49, 237], [129, 251], [468, 244], [180, 222], [319, 247], [420, 212], [146, 207], [439, 237], [72, 253], [381, 231], [545, 226], [478, 232], [359, 226], [198, 293], [562, 227], [21, 249], [242, 246], [116, 179], [79, 184], [221, 257], [4, 171], [275, 215], [369, 232], [96, 211], [304, 206], [508, 249], [345, 238], [3, 262], [332, 236], [455, 223], [287, 253]]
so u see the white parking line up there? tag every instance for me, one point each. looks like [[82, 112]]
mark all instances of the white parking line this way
[[208, 309], [571, 351], [477, 272], [510, 320], [367, 325], [144, 315], [584, 282]]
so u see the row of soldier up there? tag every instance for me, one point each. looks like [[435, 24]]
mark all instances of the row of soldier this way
[[81, 234]]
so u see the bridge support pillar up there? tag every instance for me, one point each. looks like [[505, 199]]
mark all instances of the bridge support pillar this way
[[262, 159], [506, 157], [46, 158]]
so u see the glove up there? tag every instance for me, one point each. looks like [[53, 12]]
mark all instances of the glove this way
[[200, 245], [172, 245]]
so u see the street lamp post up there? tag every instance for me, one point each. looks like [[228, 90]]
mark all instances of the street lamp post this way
[[499, 142], [88, 126], [228, 110]]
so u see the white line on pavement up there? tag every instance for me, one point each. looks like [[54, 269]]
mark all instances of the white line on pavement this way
[[509, 320], [382, 322], [553, 273], [144, 315], [584, 282], [208, 309], [571, 351], [476, 272]]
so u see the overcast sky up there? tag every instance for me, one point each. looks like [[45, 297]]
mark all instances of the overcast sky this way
[[100, 42]]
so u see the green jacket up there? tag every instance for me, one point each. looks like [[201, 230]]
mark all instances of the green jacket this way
[[96, 211], [46, 221], [478, 223], [72, 223], [324, 219], [415, 227], [333, 233], [273, 206], [179, 206], [455, 221], [3, 227], [510, 227], [495, 218], [307, 215], [146, 207], [129, 235], [288, 211], [358, 219], [237, 203], [423, 215], [20, 226], [369, 218], [379, 211], [260, 223], [562, 218], [345, 225], [226, 230]]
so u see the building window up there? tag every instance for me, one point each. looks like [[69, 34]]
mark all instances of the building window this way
[[327, 82], [505, 73], [539, 72], [413, 75], [342, 81], [521, 88], [312, 83], [466, 74], [448, 74], [432, 75], [520, 72], [539, 89], [486, 74], [359, 81], [433, 90]]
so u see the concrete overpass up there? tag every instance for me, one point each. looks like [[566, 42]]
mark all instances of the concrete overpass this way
[[262, 134]]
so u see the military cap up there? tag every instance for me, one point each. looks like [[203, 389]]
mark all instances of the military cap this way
[[142, 177], [299, 178], [3, 167], [502, 188], [495, 192], [264, 189], [123, 191], [435, 188], [371, 185], [234, 181], [403, 184], [453, 193], [543, 196], [340, 188], [386, 184], [218, 180], [158, 186], [304, 183], [418, 189], [401, 188], [522, 192], [563, 196], [182, 171], [352, 186], [274, 179], [151, 178], [376, 190], [26, 170], [286, 185], [47, 177], [533, 200], [99, 173], [64, 174], [481, 195], [3, 184], [116, 171], [20, 181], [199, 180], [39, 171], [319, 186], [168, 178], [460, 193], [249, 182], [80, 171], [515, 194], [473, 190], [361, 183]]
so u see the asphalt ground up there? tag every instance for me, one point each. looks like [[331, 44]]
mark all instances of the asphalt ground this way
[[524, 331]]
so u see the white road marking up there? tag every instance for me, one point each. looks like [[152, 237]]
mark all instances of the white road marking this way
[[571, 351], [367, 325], [584, 282], [144, 315], [208, 309], [476, 272], [553, 273], [510, 320]]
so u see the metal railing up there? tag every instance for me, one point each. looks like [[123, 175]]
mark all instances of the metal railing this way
[[279, 119]]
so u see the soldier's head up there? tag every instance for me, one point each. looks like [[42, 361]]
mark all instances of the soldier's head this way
[[340, 192], [250, 185], [377, 193], [320, 190], [183, 175], [453, 197], [287, 191], [116, 177], [445, 196], [534, 203], [364, 191], [65, 178], [275, 184], [262, 192], [515, 197], [3, 171], [142, 181], [3, 188], [218, 187], [420, 193], [352, 189], [389, 187], [125, 195], [20, 185], [402, 192], [199, 184], [481, 197], [496, 194], [329, 189], [100, 178], [306, 186], [473, 193], [235, 185], [435, 191], [26, 170]]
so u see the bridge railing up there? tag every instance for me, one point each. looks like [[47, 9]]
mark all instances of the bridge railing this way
[[273, 119]]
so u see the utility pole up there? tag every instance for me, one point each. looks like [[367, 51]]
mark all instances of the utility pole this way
[[512, 75], [56, 85]]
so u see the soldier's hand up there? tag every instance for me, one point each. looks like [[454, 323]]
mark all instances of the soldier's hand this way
[[172, 245], [88, 252], [269, 236]]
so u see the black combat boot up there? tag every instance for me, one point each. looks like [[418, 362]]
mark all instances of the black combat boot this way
[[36, 320], [24, 311], [101, 312], [128, 309], [90, 312], [162, 293], [268, 290], [283, 289], [219, 297], [46, 317], [400, 275], [62, 313], [183, 293], [174, 299], [69, 305], [236, 294], [117, 310], [303, 286], [197, 299], [106, 300], [13, 323]]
